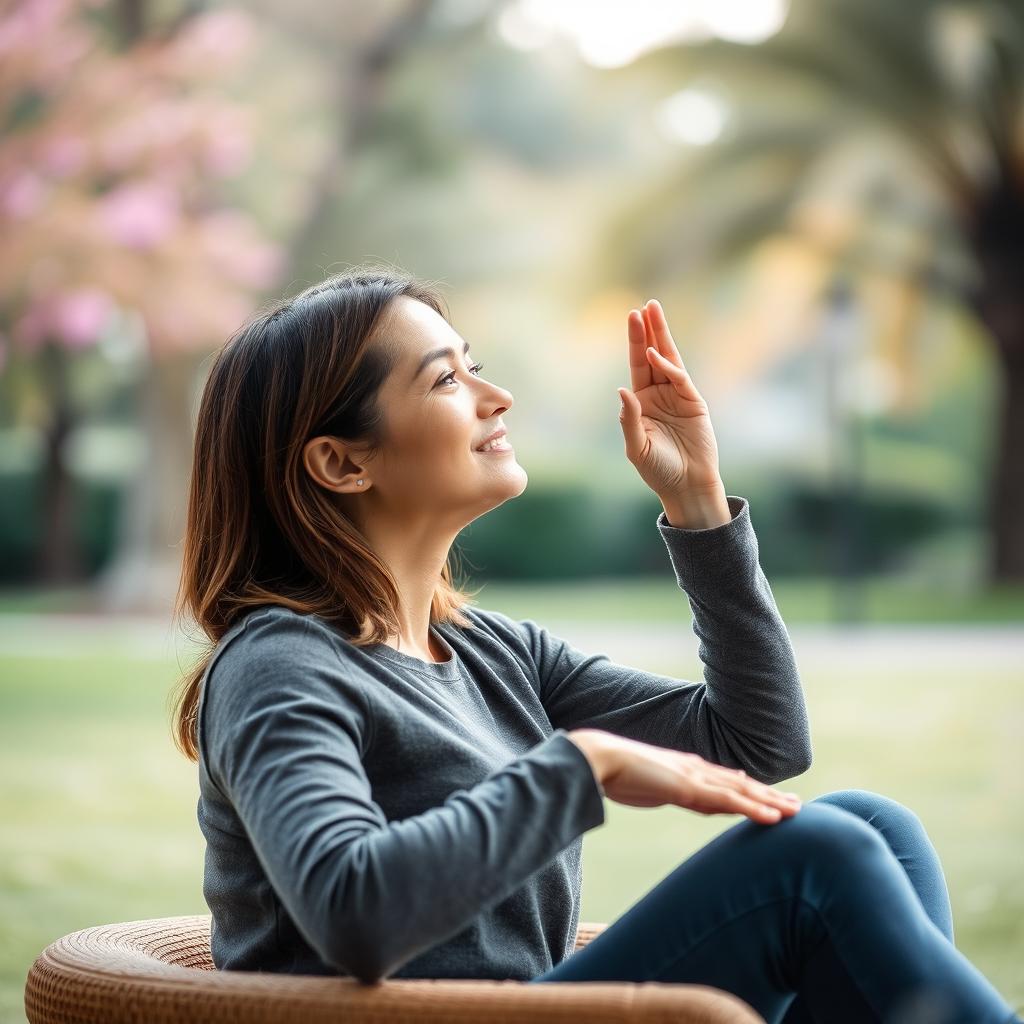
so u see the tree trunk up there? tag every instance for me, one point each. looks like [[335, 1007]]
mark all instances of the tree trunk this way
[[131, 16], [143, 574], [60, 559], [1007, 494], [145, 571], [998, 237], [356, 89]]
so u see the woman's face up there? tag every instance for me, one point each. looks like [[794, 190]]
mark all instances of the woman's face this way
[[438, 410]]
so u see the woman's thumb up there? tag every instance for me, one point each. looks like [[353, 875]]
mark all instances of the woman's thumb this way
[[629, 419]]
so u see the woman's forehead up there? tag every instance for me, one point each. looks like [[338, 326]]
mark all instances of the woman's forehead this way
[[418, 327], [419, 334]]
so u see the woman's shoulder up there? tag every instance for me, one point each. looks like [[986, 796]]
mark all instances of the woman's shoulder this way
[[491, 626], [277, 639], [272, 650], [263, 624], [276, 677]]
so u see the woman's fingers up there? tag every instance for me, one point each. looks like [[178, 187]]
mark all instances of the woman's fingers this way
[[676, 375], [647, 329], [640, 373], [671, 365], [632, 426], [730, 801], [653, 335], [750, 792], [770, 806], [776, 799], [661, 336], [651, 341], [739, 779]]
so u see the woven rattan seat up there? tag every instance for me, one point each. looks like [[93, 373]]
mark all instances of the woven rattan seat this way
[[160, 972]]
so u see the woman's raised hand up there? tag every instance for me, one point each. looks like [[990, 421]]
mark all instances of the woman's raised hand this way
[[664, 419], [641, 775]]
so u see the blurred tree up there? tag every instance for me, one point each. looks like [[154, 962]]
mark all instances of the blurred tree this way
[[358, 52], [113, 148], [136, 220], [874, 142], [362, 52]]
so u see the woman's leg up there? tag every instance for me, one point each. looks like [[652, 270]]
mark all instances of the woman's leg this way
[[901, 828], [909, 842], [815, 904]]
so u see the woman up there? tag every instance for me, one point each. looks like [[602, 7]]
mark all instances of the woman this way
[[395, 783]]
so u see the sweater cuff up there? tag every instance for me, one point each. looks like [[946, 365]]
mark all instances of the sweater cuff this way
[[592, 807], [714, 553]]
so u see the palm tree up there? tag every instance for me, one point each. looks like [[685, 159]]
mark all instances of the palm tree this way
[[888, 138]]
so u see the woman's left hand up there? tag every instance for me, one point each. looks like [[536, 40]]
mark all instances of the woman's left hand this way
[[664, 419]]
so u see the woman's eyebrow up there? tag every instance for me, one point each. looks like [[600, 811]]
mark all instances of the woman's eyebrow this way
[[437, 353]]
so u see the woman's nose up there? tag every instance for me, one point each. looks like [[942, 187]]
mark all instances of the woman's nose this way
[[502, 395]]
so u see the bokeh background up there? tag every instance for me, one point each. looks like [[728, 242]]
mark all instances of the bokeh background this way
[[827, 196]]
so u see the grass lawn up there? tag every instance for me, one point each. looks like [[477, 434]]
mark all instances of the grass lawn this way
[[881, 599], [99, 809]]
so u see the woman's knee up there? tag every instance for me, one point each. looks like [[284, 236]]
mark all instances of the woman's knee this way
[[881, 812], [824, 832]]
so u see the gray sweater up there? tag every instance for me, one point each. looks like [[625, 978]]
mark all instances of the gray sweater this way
[[370, 814]]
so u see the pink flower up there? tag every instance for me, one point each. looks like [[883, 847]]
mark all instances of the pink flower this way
[[22, 195], [76, 319], [80, 316], [63, 155], [228, 145], [216, 38], [235, 248], [140, 215], [29, 21]]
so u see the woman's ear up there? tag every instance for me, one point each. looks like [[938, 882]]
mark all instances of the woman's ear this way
[[328, 462]]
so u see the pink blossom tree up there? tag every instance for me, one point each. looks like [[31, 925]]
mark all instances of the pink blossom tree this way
[[112, 200]]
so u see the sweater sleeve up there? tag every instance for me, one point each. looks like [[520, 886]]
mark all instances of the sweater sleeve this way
[[749, 711], [284, 733]]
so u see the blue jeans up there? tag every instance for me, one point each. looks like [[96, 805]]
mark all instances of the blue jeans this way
[[839, 913]]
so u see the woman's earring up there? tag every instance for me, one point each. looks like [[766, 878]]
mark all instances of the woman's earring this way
[[360, 482]]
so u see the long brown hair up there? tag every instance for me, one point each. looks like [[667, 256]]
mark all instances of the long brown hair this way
[[259, 530]]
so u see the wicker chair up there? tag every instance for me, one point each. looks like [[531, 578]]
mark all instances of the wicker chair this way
[[160, 972]]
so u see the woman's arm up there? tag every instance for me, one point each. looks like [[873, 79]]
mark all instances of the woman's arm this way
[[749, 712]]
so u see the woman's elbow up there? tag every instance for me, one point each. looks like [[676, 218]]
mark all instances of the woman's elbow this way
[[357, 959], [367, 947], [780, 765], [794, 764]]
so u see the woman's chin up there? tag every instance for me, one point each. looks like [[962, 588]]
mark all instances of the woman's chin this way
[[524, 478], [512, 485]]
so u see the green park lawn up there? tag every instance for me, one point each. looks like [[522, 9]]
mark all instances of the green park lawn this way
[[883, 599], [99, 809], [810, 600]]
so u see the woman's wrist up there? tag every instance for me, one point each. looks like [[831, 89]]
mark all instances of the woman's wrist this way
[[702, 510], [596, 750]]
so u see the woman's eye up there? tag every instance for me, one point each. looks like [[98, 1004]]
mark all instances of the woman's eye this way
[[475, 368]]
